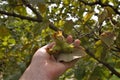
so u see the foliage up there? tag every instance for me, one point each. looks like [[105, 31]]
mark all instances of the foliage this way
[[26, 25]]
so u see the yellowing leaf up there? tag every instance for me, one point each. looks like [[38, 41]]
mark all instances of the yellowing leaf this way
[[99, 51], [5, 43], [98, 43], [108, 38], [42, 8], [87, 16], [58, 36], [61, 23]]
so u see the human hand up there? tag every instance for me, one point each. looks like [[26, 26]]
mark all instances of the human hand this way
[[45, 67]]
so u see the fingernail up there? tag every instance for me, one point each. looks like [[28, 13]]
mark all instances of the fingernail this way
[[77, 42], [69, 39], [51, 45]]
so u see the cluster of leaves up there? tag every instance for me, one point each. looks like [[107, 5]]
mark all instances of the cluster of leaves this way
[[24, 27]]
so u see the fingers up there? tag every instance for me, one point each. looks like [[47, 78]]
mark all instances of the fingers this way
[[51, 45], [77, 43], [69, 39]]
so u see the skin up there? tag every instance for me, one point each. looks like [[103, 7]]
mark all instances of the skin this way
[[44, 66]]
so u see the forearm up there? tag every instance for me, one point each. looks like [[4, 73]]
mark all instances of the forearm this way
[[34, 73]]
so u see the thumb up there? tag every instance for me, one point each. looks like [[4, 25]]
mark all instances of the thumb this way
[[49, 46]]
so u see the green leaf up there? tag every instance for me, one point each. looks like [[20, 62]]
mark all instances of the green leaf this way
[[118, 62], [99, 73], [12, 41], [114, 78], [68, 26], [3, 31], [99, 51], [42, 8], [21, 10], [103, 16], [118, 40], [110, 12], [66, 2], [104, 1], [1, 55], [80, 72]]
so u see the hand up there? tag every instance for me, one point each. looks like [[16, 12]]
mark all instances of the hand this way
[[44, 66]]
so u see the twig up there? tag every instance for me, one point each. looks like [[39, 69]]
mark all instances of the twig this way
[[51, 26], [78, 33], [20, 16], [91, 32], [116, 55]]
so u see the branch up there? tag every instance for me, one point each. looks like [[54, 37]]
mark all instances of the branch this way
[[104, 63], [20, 16], [91, 4], [33, 9], [51, 26], [100, 3]]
